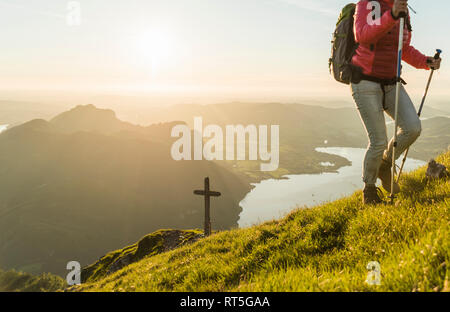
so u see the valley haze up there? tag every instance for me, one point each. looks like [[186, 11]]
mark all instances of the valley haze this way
[[115, 114]]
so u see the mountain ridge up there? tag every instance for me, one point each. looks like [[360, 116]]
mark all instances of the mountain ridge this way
[[324, 248], [74, 181], [410, 239], [70, 194]]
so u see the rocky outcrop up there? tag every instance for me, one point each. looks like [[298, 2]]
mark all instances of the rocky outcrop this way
[[436, 170], [150, 245]]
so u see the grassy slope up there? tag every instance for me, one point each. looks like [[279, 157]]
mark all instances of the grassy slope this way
[[325, 248], [12, 281], [150, 245]]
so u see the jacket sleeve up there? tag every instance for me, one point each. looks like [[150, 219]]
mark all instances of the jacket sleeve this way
[[413, 57], [370, 34]]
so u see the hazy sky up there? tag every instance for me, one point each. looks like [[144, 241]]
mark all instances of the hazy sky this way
[[276, 47]]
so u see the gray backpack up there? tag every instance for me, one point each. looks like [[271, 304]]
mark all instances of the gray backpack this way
[[343, 46]]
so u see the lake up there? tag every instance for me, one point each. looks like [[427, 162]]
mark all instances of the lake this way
[[272, 199]]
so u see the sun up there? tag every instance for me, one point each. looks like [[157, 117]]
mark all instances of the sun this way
[[155, 50]]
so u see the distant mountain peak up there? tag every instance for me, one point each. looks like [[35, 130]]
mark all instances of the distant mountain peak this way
[[83, 111], [89, 118]]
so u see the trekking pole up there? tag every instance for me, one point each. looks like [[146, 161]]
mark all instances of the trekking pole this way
[[436, 57], [397, 97]]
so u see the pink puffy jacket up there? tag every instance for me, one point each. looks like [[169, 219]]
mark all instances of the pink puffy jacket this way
[[378, 44]]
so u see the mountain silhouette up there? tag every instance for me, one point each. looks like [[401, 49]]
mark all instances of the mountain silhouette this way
[[90, 119], [84, 183]]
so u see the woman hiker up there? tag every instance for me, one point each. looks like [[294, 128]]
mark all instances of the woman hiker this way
[[376, 57]]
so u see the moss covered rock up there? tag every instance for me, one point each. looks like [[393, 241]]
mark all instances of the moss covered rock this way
[[150, 245]]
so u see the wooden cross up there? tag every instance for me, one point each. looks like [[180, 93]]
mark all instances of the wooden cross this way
[[207, 194]]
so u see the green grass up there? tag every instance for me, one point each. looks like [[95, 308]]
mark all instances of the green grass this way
[[150, 245], [12, 281], [325, 248]]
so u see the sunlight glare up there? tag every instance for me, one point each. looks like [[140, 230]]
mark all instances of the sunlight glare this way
[[155, 50]]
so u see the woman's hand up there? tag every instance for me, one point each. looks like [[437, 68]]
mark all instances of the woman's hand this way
[[400, 6], [434, 63]]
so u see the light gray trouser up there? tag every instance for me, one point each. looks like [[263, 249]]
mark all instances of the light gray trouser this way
[[368, 97]]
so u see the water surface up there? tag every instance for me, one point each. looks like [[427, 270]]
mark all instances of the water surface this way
[[272, 199], [3, 128]]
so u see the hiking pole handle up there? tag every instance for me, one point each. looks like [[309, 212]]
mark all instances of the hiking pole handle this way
[[438, 54], [402, 15], [436, 57]]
